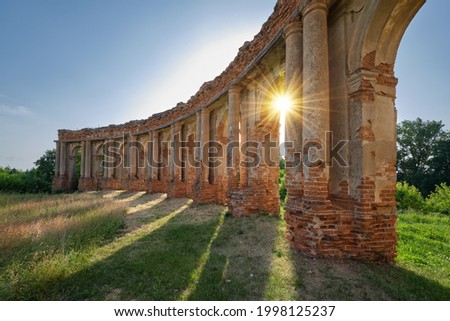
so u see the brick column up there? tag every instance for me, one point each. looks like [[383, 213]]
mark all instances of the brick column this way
[[233, 155], [293, 130], [155, 156], [63, 160], [176, 138], [132, 156], [246, 105], [316, 111], [148, 157], [83, 160], [198, 151], [57, 159], [172, 151], [88, 166], [109, 171], [204, 146]]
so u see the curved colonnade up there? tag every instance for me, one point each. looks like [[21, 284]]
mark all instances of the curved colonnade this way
[[335, 59]]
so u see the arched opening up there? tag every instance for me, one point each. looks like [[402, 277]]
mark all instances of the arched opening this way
[[189, 155], [75, 157], [422, 58], [98, 170]]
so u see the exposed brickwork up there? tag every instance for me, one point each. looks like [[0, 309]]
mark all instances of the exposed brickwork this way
[[247, 202], [324, 55], [247, 53]]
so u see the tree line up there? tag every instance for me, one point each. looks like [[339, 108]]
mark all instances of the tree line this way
[[36, 180], [423, 166], [423, 154]]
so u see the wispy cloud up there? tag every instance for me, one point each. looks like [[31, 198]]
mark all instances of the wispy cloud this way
[[14, 110]]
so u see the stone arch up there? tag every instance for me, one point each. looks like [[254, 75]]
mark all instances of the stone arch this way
[[377, 32], [378, 29], [385, 31]]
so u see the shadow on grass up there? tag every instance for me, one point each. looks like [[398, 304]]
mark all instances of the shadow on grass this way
[[325, 279], [403, 284], [155, 264], [196, 254], [33, 269], [172, 250], [239, 261]]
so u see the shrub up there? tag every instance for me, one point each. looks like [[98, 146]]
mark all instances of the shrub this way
[[439, 200], [17, 181], [408, 197]]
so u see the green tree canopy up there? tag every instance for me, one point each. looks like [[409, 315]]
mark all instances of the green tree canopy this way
[[45, 165], [35, 180], [423, 154]]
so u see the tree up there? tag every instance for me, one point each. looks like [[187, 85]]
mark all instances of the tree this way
[[421, 144], [35, 180], [45, 167], [440, 163]]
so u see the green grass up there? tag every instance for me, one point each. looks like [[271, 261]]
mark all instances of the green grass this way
[[136, 246]]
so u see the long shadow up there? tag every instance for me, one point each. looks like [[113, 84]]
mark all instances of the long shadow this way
[[239, 261], [403, 284], [155, 266], [344, 280]]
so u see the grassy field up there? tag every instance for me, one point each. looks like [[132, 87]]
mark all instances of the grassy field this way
[[136, 246]]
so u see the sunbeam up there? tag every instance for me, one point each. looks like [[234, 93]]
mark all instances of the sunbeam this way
[[197, 273]]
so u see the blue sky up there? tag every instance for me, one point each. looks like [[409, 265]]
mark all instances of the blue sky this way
[[76, 64]]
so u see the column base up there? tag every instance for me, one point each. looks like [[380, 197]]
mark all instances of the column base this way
[[247, 202], [177, 189], [205, 193], [61, 184], [157, 186], [87, 184], [362, 233]]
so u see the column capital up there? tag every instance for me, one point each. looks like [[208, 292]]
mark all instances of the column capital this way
[[235, 89], [205, 111], [293, 27], [176, 125], [314, 5]]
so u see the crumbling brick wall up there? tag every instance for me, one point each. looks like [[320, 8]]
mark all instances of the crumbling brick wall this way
[[335, 58]]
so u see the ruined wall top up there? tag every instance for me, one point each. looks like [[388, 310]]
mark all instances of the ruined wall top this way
[[209, 91]]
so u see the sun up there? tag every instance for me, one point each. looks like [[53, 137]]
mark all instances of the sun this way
[[282, 103]]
